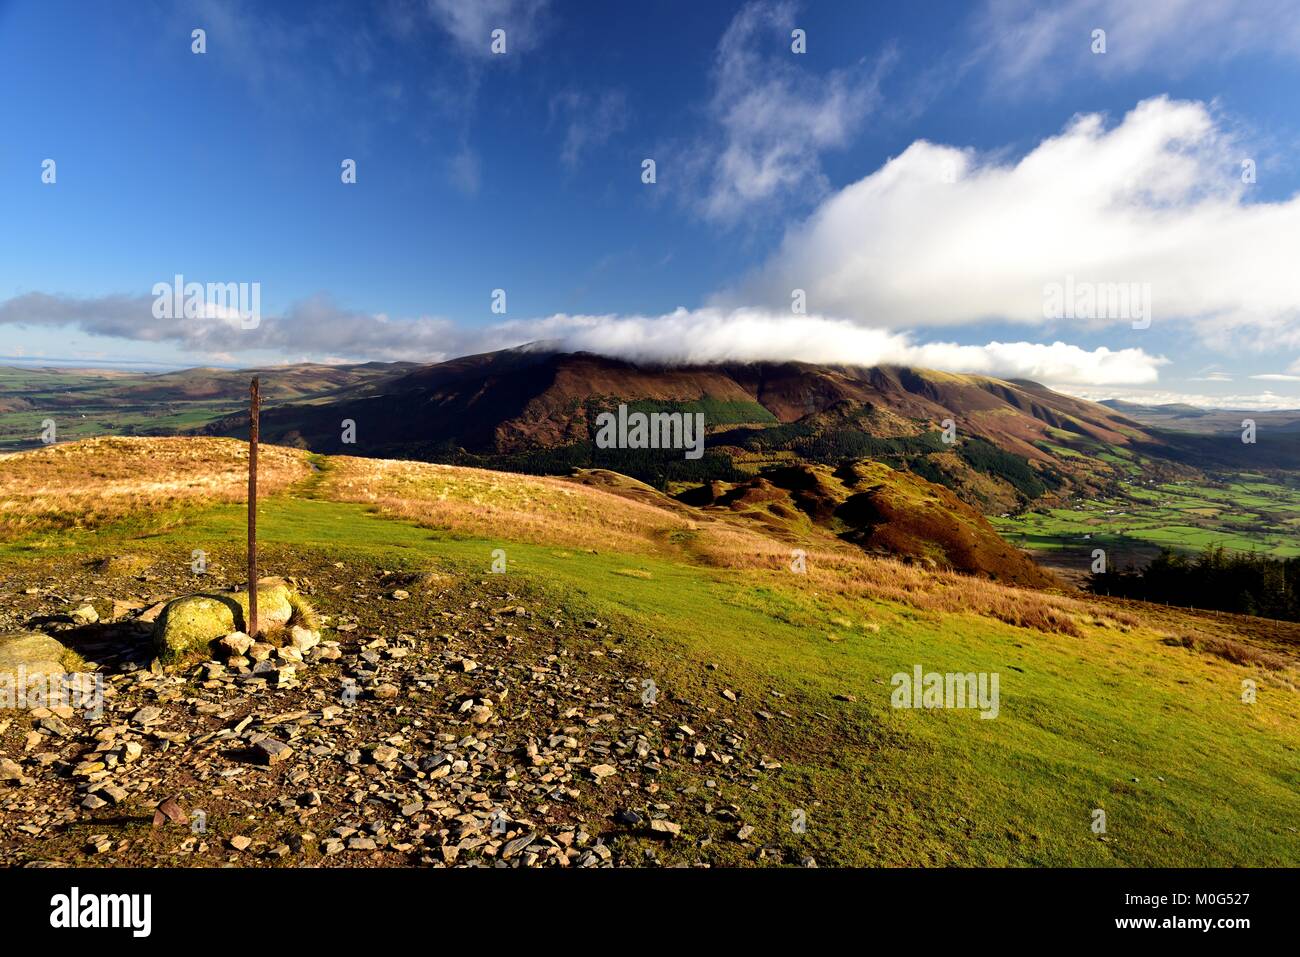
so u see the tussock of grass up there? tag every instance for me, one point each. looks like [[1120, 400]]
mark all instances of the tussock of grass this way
[[1227, 649], [304, 615], [72, 661]]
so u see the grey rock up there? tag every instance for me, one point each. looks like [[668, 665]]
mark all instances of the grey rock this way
[[147, 715]]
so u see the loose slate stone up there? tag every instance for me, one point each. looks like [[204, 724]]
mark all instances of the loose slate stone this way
[[272, 751], [147, 716], [169, 809], [12, 771], [518, 844], [114, 793]]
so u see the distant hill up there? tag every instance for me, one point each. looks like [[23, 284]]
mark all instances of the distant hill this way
[[525, 399], [1190, 418], [534, 410], [91, 402]]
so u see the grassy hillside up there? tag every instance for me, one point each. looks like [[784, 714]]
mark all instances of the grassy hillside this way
[[1102, 705]]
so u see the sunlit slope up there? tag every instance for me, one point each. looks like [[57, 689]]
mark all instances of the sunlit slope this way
[[1098, 709]]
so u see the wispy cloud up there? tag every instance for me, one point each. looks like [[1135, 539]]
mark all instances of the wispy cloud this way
[[465, 171], [471, 22], [589, 120], [1031, 46], [938, 237], [771, 115], [271, 50]]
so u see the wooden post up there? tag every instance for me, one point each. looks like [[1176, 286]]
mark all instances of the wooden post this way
[[254, 408]]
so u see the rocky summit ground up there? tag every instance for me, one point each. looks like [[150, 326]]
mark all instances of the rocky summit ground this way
[[441, 722]]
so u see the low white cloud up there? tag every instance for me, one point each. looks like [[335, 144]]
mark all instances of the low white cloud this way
[[938, 236], [319, 328], [316, 324], [1276, 377], [710, 336]]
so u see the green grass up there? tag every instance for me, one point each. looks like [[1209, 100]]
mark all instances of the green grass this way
[[21, 430], [1080, 717]]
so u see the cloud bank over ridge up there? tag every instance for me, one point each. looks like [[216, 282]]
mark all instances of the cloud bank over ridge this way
[[683, 336]]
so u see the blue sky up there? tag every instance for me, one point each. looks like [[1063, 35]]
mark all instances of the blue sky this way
[[774, 171]]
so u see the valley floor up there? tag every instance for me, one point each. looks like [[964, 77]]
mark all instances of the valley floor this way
[[1244, 512]]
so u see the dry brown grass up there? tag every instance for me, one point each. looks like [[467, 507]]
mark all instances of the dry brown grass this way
[[94, 481], [1228, 649], [551, 511]]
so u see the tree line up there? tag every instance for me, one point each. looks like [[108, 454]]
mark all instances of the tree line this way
[[1246, 583]]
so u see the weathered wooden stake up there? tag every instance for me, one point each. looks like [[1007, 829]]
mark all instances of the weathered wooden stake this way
[[254, 408]]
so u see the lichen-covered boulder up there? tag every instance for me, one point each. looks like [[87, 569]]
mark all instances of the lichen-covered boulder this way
[[191, 623], [32, 652]]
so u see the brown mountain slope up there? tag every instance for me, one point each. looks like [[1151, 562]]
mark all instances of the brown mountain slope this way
[[524, 399]]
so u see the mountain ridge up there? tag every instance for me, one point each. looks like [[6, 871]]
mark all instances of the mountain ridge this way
[[511, 398]]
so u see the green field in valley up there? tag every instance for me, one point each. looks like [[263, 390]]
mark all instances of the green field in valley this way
[[1242, 513]]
